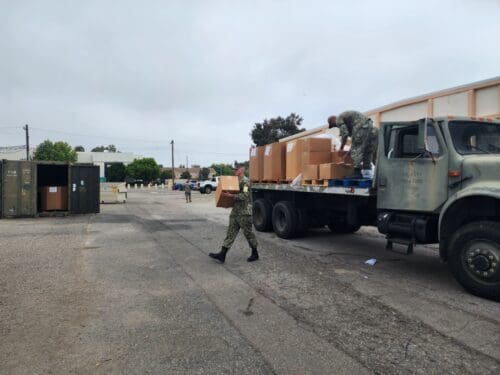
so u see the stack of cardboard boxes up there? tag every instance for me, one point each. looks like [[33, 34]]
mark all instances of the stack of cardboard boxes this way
[[312, 158]]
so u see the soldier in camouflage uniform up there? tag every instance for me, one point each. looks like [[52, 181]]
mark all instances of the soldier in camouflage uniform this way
[[240, 218], [363, 136]]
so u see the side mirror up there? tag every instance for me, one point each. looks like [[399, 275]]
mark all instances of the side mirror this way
[[422, 135]]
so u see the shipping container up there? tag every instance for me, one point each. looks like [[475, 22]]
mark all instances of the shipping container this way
[[18, 189], [32, 188]]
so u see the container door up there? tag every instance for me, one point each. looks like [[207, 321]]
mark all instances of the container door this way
[[18, 188], [84, 189]]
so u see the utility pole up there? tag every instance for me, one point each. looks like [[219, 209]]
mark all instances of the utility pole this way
[[173, 170], [26, 129]]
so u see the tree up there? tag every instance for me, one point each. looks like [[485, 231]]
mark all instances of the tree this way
[[204, 172], [58, 151], [223, 169], [79, 149], [145, 169], [109, 148], [272, 130], [115, 172], [186, 175], [166, 174]]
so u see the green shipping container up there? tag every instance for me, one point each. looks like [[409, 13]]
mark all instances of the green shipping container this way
[[18, 189]]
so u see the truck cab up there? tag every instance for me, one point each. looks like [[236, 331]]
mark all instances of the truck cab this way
[[438, 181]]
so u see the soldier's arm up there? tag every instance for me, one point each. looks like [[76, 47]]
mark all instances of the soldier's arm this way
[[240, 196]]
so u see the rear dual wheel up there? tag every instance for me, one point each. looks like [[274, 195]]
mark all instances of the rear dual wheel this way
[[288, 221]]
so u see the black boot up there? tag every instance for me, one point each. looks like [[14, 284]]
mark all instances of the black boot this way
[[221, 255], [356, 174], [254, 256]]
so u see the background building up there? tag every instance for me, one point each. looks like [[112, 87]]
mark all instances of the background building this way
[[15, 152], [478, 99], [103, 158]]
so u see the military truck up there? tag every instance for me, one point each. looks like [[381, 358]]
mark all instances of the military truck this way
[[436, 181]]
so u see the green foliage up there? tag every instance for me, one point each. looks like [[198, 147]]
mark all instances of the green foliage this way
[[58, 151], [186, 174], [272, 130], [145, 169], [204, 172], [223, 169], [115, 172], [79, 149], [109, 148], [166, 174]]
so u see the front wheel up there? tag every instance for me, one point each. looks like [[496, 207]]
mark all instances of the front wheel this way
[[474, 258]]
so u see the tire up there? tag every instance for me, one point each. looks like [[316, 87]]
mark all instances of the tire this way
[[262, 214], [208, 189], [474, 250], [341, 227], [284, 219]]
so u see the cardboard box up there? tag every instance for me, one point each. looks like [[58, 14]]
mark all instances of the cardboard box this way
[[228, 184], [341, 157], [274, 161], [330, 171], [257, 163], [317, 144], [294, 158], [316, 157], [310, 172], [54, 198]]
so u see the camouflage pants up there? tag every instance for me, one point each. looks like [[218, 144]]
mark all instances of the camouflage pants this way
[[188, 196], [235, 223], [364, 146]]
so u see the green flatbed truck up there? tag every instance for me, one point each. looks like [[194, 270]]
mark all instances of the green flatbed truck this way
[[436, 181]]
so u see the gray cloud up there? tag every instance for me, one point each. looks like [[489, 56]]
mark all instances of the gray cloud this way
[[202, 72]]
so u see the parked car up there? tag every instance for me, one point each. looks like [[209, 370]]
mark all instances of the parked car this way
[[132, 181], [207, 186], [180, 185]]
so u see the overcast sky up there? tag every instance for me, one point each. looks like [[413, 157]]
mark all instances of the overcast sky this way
[[138, 74]]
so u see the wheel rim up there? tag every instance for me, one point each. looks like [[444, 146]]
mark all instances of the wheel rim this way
[[481, 259], [281, 221]]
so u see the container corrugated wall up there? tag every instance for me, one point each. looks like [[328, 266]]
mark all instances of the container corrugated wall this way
[[18, 189]]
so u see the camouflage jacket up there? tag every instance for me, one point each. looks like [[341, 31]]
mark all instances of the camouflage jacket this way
[[349, 120], [242, 201]]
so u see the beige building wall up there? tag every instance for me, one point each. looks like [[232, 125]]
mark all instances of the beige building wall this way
[[478, 99]]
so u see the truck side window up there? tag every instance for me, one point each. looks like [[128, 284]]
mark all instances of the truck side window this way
[[403, 143]]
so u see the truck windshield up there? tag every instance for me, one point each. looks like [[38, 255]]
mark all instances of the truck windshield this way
[[471, 137]]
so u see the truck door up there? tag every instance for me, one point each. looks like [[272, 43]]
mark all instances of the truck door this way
[[408, 179]]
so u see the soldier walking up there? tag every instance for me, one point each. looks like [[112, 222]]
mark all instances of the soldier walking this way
[[187, 191], [240, 218], [363, 136]]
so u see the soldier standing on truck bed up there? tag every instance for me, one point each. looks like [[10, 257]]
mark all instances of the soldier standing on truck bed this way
[[363, 136], [240, 218]]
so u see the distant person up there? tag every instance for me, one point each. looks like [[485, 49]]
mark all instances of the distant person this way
[[187, 191], [363, 137], [240, 218]]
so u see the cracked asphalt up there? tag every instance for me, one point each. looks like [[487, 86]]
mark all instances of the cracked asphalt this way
[[132, 290]]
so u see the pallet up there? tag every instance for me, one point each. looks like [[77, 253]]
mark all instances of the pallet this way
[[315, 182], [352, 182]]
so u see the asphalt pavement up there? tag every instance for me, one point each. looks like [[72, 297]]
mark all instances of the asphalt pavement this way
[[132, 290]]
